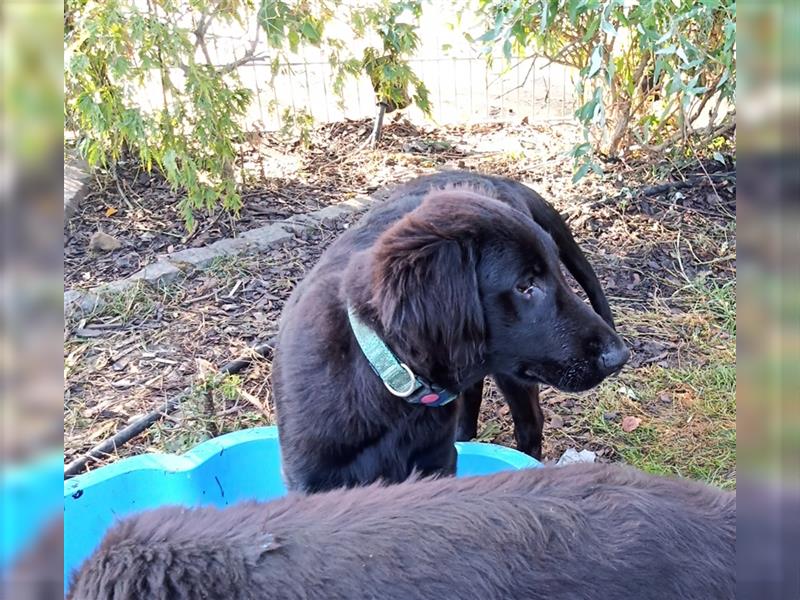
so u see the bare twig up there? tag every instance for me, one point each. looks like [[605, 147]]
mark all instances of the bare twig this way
[[550, 60], [721, 130], [705, 172], [200, 42], [524, 81], [706, 97]]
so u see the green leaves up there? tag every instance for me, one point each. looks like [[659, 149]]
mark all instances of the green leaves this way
[[271, 17], [388, 68], [312, 31], [595, 62], [581, 172], [170, 163], [189, 136], [649, 65]]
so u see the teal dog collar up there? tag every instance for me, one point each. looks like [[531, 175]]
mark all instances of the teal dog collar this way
[[398, 378]]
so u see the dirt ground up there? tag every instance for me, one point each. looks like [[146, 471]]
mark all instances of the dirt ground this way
[[665, 255]]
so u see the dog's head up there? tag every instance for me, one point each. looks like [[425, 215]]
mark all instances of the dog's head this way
[[468, 286]]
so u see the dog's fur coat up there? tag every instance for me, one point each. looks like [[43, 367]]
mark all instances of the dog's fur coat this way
[[582, 532], [435, 272]]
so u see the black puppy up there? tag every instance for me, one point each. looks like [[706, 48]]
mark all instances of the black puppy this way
[[417, 304], [582, 532]]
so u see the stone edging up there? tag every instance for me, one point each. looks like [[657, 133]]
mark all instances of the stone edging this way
[[169, 267]]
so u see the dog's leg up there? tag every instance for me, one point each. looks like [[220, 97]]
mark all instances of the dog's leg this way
[[523, 400], [468, 410]]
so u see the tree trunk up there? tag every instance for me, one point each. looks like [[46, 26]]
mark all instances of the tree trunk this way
[[378, 126]]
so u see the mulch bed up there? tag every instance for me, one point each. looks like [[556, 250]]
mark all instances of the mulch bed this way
[[124, 362], [140, 210]]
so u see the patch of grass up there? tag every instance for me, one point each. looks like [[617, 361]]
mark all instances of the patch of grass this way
[[718, 300], [489, 431], [211, 409], [136, 302], [231, 267], [688, 421]]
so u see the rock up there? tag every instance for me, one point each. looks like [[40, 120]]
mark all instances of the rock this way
[[76, 176], [630, 423], [75, 302], [160, 271], [572, 456], [104, 242], [265, 238], [127, 261]]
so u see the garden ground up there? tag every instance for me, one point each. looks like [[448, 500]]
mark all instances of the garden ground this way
[[664, 253]]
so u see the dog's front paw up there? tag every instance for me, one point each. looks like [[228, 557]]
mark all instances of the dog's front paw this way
[[530, 445]]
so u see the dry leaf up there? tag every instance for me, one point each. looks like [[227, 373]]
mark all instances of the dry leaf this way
[[556, 422], [630, 423], [103, 241], [205, 370], [252, 400], [111, 211]]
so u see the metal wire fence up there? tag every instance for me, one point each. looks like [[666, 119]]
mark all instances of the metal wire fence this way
[[463, 87]]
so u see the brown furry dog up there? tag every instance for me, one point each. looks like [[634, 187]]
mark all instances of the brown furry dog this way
[[578, 532], [459, 275]]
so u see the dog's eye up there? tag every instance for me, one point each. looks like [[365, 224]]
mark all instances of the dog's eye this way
[[528, 289]]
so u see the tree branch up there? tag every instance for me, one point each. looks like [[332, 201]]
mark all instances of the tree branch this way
[[706, 97], [654, 190], [550, 60], [721, 130]]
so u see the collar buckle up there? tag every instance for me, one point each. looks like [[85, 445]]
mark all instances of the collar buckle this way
[[410, 387]]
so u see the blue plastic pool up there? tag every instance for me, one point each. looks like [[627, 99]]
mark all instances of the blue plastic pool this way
[[237, 466]]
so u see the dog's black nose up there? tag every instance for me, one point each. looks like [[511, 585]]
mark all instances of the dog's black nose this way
[[614, 357]]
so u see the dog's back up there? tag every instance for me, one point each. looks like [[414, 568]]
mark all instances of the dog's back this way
[[584, 531]]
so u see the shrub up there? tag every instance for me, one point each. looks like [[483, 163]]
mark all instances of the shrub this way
[[647, 69], [116, 50]]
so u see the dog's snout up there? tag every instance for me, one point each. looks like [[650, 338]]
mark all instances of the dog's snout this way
[[614, 357]]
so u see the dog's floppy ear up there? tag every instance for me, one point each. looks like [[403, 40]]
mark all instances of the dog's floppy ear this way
[[425, 289]]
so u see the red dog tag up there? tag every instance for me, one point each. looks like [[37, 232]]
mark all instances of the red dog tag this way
[[429, 398]]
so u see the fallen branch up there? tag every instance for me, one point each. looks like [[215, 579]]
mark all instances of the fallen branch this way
[[676, 185], [723, 129], [126, 434]]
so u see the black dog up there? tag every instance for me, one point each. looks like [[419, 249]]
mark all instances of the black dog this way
[[523, 400], [581, 532], [458, 285]]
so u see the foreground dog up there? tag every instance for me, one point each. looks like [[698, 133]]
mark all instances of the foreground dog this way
[[432, 292], [577, 532]]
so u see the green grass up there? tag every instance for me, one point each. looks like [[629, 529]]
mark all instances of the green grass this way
[[716, 300], [136, 303], [489, 431], [211, 409], [688, 421], [231, 267], [688, 406]]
